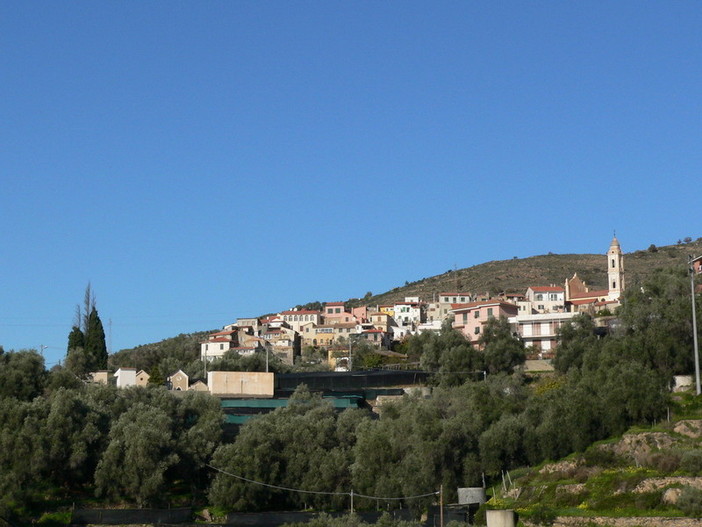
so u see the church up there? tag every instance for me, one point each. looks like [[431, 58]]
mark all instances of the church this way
[[579, 298]]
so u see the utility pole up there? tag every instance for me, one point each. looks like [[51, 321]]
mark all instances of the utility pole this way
[[695, 349], [441, 506]]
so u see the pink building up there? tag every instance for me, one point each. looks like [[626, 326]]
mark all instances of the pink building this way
[[335, 313], [361, 313], [470, 318]]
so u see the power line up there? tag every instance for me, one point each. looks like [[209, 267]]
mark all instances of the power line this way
[[321, 492]]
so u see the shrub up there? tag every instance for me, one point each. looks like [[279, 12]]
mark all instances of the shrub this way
[[542, 515], [691, 462], [690, 502], [600, 457], [665, 462]]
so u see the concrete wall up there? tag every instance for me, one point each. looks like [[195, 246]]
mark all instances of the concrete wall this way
[[250, 384], [500, 518]]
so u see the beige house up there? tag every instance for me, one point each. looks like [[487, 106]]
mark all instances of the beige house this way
[[198, 386], [328, 334], [142, 378], [100, 377], [179, 381], [295, 319], [381, 320]]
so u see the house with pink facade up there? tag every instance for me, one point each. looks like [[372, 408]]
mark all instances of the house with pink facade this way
[[696, 265], [470, 318], [335, 313]]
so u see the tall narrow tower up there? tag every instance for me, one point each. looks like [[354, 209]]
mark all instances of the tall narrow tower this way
[[615, 269]]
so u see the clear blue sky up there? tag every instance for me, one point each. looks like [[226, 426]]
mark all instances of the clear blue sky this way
[[201, 161]]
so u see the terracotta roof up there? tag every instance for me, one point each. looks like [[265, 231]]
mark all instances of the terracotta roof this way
[[482, 303], [225, 332], [221, 339], [547, 288], [583, 302], [301, 312], [334, 304], [591, 294]]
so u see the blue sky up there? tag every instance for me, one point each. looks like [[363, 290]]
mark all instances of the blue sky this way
[[206, 160]]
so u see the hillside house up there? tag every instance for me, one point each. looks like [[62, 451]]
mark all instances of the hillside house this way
[[295, 318], [142, 378], [470, 318], [544, 299], [335, 313], [327, 335], [219, 343], [696, 264], [283, 342], [179, 381], [375, 337], [411, 312], [446, 300], [381, 320], [540, 331], [360, 313], [126, 377]]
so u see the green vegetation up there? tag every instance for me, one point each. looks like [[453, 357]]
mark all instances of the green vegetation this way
[[87, 350], [64, 441]]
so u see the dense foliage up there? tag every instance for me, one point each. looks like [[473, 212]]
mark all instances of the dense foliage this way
[[61, 437], [87, 350]]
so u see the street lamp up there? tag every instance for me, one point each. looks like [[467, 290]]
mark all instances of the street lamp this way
[[695, 349]]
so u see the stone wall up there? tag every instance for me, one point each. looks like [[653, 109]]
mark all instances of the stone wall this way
[[569, 521]]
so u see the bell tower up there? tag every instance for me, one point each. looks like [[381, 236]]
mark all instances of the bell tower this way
[[615, 269]]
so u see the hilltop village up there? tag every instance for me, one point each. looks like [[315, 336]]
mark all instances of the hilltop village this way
[[535, 316]]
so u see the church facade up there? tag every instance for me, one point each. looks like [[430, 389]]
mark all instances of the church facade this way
[[578, 296]]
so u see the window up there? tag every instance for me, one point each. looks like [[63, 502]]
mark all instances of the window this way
[[614, 284], [477, 330], [465, 318], [221, 346], [613, 262], [539, 297], [477, 314], [338, 310], [540, 306], [489, 312]]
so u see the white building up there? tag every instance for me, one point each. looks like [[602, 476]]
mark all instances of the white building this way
[[545, 299], [540, 331], [409, 312], [126, 377]]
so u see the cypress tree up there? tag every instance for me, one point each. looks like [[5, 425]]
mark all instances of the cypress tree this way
[[95, 346], [76, 339]]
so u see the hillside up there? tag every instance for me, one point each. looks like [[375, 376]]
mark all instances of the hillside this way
[[517, 274], [645, 477], [513, 275]]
